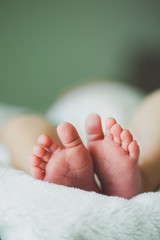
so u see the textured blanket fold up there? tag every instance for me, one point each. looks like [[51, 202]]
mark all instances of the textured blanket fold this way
[[32, 209]]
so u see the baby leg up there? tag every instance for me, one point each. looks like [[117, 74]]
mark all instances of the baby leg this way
[[145, 127], [21, 133]]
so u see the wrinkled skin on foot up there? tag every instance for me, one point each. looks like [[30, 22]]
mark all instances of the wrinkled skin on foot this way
[[115, 157], [69, 166]]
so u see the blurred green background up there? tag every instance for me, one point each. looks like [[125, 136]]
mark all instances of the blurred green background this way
[[49, 46]]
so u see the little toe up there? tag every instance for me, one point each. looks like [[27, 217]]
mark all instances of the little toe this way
[[126, 138], [116, 132], [48, 143], [68, 135], [93, 127], [133, 149], [37, 173]]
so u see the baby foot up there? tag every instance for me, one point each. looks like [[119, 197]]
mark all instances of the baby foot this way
[[70, 166], [115, 157]]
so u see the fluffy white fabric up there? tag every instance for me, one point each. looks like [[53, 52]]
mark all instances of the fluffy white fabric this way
[[32, 209]]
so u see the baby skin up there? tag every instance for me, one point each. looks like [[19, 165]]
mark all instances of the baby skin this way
[[113, 156], [70, 166]]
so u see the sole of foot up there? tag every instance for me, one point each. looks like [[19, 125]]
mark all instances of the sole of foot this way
[[115, 156], [69, 166]]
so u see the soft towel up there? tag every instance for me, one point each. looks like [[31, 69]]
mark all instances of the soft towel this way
[[32, 209]]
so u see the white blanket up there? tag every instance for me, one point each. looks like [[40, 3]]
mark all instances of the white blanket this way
[[32, 209]]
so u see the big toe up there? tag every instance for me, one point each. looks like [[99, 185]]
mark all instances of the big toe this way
[[68, 135], [93, 127]]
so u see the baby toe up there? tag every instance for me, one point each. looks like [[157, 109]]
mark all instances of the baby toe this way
[[116, 132], [39, 151], [48, 143], [44, 140], [110, 122], [126, 138], [93, 127], [68, 135], [37, 173], [133, 149], [42, 165], [34, 160]]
